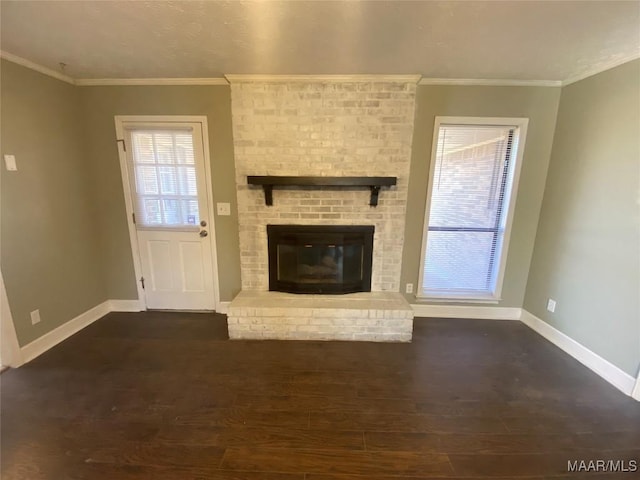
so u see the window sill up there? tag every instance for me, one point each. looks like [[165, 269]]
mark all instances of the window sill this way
[[433, 299]]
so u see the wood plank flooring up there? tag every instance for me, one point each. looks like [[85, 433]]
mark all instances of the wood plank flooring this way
[[166, 396]]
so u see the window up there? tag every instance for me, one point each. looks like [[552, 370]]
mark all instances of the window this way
[[472, 184], [164, 173]]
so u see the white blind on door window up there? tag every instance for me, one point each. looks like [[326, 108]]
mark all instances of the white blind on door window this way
[[471, 180], [165, 178]]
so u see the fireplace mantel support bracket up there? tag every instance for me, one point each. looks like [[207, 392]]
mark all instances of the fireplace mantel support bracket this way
[[375, 190], [374, 183], [268, 194]]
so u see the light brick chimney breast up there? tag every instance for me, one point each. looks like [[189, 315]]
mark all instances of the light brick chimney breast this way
[[322, 129]]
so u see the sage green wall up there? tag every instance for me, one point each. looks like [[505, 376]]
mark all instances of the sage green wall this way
[[100, 105], [587, 253], [50, 250], [540, 106]]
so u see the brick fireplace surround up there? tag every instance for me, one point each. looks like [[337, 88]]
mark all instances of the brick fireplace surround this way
[[322, 128]]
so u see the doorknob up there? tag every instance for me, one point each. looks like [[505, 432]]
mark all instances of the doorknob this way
[[203, 223], [204, 233]]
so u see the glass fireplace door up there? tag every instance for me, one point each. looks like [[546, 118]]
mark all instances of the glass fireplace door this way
[[319, 261]]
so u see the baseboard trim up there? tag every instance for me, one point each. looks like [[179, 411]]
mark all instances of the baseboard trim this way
[[609, 372], [125, 306], [466, 311], [612, 374], [64, 331], [223, 307]]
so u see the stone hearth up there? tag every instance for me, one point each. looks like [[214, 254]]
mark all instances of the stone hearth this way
[[368, 316]]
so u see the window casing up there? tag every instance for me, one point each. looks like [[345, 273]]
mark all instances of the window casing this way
[[473, 180]]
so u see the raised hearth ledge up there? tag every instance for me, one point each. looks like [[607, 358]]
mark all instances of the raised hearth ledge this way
[[367, 316]]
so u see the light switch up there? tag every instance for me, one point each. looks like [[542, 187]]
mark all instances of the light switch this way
[[223, 208], [551, 305], [10, 162]]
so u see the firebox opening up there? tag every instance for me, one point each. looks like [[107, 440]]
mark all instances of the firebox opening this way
[[320, 259]]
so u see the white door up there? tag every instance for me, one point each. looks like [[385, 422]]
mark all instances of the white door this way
[[167, 177]]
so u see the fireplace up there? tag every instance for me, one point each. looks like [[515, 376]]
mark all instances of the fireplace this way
[[320, 259]]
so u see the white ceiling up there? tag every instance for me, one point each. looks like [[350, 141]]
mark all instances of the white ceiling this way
[[519, 40]]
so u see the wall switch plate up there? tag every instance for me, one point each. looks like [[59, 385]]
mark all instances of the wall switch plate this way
[[223, 208], [551, 305], [35, 317], [409, 288], [10, 163]]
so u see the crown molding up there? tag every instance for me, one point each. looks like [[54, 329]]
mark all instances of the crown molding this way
[[601, 68], [490, 82], [34, 66], [109, 81], [241, 78], [248, 78], [94, 82]]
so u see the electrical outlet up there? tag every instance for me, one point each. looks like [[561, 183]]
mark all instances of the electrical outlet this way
[[409, 288], [35, 317], [551, 305]]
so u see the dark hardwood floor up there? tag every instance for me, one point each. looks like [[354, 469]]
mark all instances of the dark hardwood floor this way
[[168, 396]]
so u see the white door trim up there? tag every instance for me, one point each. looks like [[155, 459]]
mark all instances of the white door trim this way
[[212, 212], [636, 390], [133, 239], [11, 354], [128, 201]]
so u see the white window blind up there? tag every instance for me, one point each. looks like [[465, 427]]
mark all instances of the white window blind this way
[[165, 178], [470, 190]]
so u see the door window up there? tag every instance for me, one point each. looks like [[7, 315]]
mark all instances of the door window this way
[[164, 180]]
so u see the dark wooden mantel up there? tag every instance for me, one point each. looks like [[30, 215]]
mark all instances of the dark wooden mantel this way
[[268, 182]]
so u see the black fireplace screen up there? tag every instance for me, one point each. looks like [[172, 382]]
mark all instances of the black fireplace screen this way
[[320, 259]]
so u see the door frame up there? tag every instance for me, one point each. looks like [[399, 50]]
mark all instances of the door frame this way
[[128, 200], [11, 353]]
